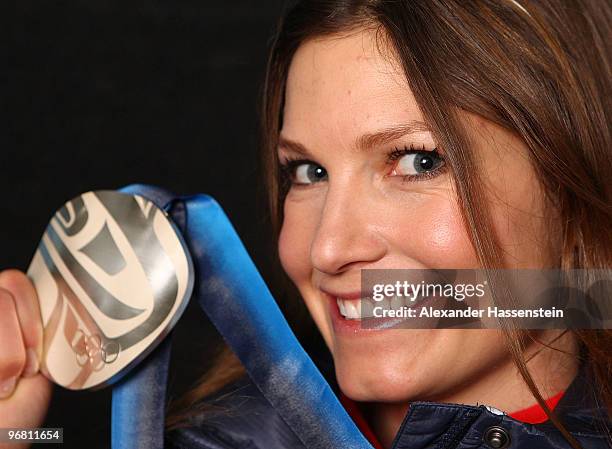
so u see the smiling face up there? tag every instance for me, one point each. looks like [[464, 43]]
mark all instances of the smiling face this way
[[371, 190]]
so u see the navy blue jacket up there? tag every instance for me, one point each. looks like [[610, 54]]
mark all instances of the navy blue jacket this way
[[242, 418]]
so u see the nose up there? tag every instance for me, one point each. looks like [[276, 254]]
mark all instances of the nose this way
[[346, 235]]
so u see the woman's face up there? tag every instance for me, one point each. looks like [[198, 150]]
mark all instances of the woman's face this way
[[362, 198]]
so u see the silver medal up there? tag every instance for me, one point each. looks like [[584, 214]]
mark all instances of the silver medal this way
[[113, 275]]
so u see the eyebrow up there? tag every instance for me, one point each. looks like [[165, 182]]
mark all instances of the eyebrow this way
[[387, 135], [366, 141]]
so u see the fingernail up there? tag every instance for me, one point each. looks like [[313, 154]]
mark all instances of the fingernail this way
[[32, 365], [7, 387]]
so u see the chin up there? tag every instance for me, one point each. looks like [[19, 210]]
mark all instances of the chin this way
[[368, 381]]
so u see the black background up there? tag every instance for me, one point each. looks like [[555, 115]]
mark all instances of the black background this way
[[101, 94]]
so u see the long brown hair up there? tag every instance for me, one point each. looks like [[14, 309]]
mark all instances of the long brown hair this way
[[540, 69]]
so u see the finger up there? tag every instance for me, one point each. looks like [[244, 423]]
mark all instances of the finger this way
[[12, 349], [28, 404], [27, 407], [28, 313]]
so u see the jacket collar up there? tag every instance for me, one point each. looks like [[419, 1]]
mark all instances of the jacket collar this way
[[445, 426]]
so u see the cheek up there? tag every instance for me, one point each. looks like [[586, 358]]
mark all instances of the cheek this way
[[294, 246], [525, 234], [294, 242], [447, 243], [434, 235]]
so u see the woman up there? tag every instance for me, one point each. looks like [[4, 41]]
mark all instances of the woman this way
[[439, 134]]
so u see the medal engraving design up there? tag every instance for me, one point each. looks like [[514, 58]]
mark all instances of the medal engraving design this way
[[113, 275]]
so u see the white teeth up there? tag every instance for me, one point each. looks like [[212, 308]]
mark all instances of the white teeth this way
[[385, 304], [352, 311], [355, 309], [341, 306], [367, 308], [397, 302]]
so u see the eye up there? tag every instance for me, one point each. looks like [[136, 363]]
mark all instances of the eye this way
[[415, 164], [309, 173], [304, 172]]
